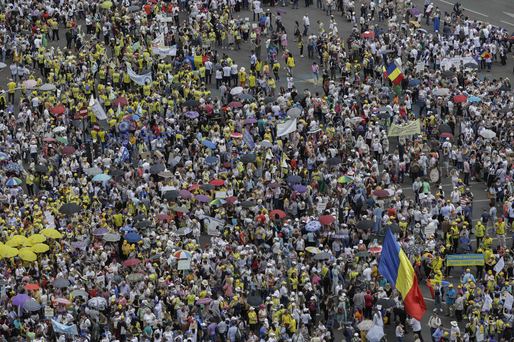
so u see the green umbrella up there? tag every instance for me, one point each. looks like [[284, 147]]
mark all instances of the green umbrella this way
[[106, 4]]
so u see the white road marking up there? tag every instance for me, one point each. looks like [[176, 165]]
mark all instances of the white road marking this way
[[509, 14], [429, 299], [506, 22], [465, 8]]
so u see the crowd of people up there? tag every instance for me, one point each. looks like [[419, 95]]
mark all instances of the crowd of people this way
[[153, 189]]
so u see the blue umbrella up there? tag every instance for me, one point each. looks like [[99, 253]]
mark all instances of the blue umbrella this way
[[192, 114], [101, 177], [12, 182], [132, 237], [313, 226], [209, 144], [3, 156], [211, 160], [299, 188], [474, 99], [123, 126], [414, 82]]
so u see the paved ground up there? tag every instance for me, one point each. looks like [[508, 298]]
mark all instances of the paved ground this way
[[499, 12]]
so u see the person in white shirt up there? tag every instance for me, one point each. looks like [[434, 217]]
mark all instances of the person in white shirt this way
[[416, 327]]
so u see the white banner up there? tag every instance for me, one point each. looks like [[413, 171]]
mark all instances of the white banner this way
[[165, 50], [448, 63], [139, 79], [499, 265], [285, 128], [408, 128], [97, 109]]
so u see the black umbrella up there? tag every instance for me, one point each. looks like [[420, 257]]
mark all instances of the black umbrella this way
[[61, 283], [245, 97], [362, 254], [143, 224], [294, 179], [116, 173], [322, 256], [444, 128], [191, 103], [170, 195], [386, 303], [207, 187], [156, 168], [254, 300], [139, 217], [248, 158], [248, 204], [334, 161], [365, 225], [70, 208], [41, 168], [269, 100]]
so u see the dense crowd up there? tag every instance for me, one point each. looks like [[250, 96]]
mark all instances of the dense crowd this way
[[155, 190]]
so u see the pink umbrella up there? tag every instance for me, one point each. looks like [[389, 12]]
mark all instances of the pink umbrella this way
[[131, 262]]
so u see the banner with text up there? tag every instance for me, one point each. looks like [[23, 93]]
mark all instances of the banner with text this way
[[404, 129]]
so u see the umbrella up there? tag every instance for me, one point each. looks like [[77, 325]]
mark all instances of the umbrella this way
[[446, 135], [368, 35], [474, 99], [386, 303], [211, 160], [322, 256], [277, 213], [422, 30], [334, 161], [13, 181], [248, 204], [70, 208], [231, 199], [344, 179], [294, 112], [185, 194], [98, 303], [441, 92], [203, 301], [459, 98], [106, 4], [299, 188], [182, 255], [143, 224], [203, 198], [184, 231], [235, 104], [248, 158], [326, 219], [100, 231], [245, 97], [41, 168], [40, 248], [135, 277], [414, 11], [102, 177], [313, 226], [132, 237], [365, 324], [487, 134], [58, 110], [445, 128], [274, 185], [266, 144], [381, 193], [8, 251], [68, 150], [26, 254], [120, 101], [254, 301], [268, 99], [191, 103], [156, 168], [4, 156], [48, 87], [236, 135], [30, 84], [61, 283], [217, 182], [192, 114], [80, 244], [13, 167], [31, 287], [17, 240], [209, 144], [20, 299], [207, 187], [163, 217], [414, 82], [112, 237], [236, 90], [250, 121], [79, 293], [364, 225], [116, 173], [170, 195], [313, 250], [131, 262], [165, 174], [294, 179], [180, 209], [133, 9], [31, 305], [61, 301]]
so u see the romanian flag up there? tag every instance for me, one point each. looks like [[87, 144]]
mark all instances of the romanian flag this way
[[397, 269], [394, 73], [486, 55]]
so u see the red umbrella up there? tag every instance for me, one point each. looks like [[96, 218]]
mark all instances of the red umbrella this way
[[131, 262], [231, 199], [446, 135], [163, 217], [217, 182], [326, 219], [62, 301], [460, 98], [58, 110], [236, 135], [67, 150], [368, 35], [277, 212], [381, 193], [194, 187], [235, 104], [120, 101], [31, 287]]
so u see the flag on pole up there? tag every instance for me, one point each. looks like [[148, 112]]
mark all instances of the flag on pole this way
[[394, 74], [396, 267]]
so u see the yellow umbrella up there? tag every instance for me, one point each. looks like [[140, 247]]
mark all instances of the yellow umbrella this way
[[106, 4], [16, 240], [8, 251], [51, 233], [37, 238], [40, 248], [26, 254]]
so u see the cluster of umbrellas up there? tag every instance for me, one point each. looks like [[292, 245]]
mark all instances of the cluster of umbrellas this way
[[28, 247]]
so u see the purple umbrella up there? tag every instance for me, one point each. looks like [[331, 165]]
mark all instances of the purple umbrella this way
[[185, 194], [299, 188], [414, 11], [192, 114], [20, 299], [250, 121], [203, 198], [100, 231], [205, 300], [79, 244]]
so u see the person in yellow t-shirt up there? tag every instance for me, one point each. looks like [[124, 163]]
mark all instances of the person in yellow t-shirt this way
[[11, 89]]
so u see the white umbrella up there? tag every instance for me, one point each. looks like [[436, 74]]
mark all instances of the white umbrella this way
[[30, 84], [59, 129], [47, 87], [98, 303], [365, 324], [294, 112], [441, 92], [487, 134], [236, 90], [2, 65]]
